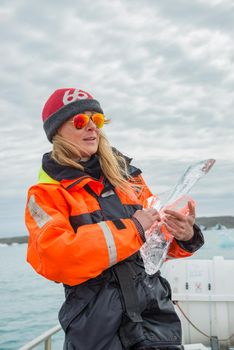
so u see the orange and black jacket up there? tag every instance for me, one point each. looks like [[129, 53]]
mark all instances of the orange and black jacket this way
[[80, 225]]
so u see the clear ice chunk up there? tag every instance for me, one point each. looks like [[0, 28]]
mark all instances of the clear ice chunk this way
[[154, 251]]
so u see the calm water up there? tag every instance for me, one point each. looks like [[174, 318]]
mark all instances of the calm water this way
[[29, 303]]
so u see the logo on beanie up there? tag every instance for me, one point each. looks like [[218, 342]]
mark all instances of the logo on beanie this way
[[75, 95]]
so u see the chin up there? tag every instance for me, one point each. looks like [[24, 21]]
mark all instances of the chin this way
[[89, 152]]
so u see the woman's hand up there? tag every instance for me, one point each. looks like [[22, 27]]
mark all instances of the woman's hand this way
[[147, 217], [179, 225]]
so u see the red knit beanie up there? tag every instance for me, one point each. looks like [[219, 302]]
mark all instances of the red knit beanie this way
[[62, 105]]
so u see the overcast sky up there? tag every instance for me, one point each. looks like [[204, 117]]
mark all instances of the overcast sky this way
[[163, 71]]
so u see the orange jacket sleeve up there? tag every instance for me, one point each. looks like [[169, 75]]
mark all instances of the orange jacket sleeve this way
[[62, 255], [141, 190]]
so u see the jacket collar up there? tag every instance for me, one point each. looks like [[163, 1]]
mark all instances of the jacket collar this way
[[54, 173], [60, 172]]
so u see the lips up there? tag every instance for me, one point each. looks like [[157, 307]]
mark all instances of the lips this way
[[89, 139]]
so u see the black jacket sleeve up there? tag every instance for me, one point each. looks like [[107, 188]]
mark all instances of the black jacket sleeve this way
[[195, 242]]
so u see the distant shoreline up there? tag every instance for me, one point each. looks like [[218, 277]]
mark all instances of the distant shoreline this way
[[206, 223], [12, 240], [211, 222]]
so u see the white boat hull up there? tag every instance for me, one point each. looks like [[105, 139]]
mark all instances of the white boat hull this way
[[204, 290]]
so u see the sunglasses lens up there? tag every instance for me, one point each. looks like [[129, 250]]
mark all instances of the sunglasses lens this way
[[80, 120], [98, 120]]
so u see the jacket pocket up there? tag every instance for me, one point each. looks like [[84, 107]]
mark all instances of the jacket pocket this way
[[77, 298]]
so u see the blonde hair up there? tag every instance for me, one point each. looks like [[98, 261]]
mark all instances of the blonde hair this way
[[113, 164]]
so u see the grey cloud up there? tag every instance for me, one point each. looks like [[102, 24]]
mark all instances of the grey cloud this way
[[200, 14], [191, 71]]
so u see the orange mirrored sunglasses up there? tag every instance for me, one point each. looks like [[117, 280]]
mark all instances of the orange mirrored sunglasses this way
[[81, 120]]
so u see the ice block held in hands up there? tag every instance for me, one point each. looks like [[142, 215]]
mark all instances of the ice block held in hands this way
[[154, 251]]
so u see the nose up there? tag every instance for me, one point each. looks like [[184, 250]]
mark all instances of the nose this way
[[91, 125]]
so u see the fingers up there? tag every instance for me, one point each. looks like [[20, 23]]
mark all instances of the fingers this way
[[174, 213], [174, 223], [174, 231], [182, 233], [192, 210], [180, 229], [153, 212], [147, 217]]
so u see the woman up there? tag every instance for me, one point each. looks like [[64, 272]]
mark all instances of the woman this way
[[86, 223]]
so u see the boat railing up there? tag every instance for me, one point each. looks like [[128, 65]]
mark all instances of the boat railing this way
[[45, 338]]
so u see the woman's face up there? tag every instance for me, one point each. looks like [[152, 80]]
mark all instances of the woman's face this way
[[86, 138]]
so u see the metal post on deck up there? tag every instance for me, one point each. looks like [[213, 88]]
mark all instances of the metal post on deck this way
[[48, 344], [214, 342]]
